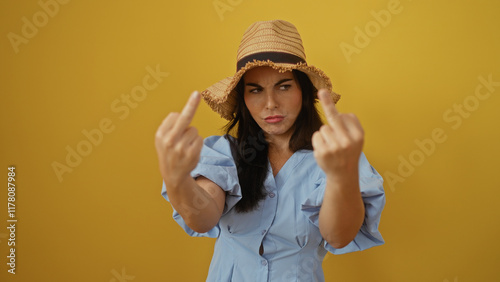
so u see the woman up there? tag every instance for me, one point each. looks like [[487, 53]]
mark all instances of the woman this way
[[286, 189]]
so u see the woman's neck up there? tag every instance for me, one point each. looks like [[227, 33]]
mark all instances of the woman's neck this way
[[278, 153], [278, 144]]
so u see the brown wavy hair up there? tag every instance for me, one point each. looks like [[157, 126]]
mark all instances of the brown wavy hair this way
[[250, 149]]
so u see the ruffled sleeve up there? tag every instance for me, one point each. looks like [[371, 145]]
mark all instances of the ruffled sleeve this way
[[217, 164], [372, 192]]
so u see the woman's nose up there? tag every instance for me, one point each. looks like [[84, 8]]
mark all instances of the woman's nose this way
[[271, 102]]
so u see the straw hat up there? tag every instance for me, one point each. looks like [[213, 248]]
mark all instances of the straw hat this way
[[276, 44]]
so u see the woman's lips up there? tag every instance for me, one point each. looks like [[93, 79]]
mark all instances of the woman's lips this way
[[274, 119]]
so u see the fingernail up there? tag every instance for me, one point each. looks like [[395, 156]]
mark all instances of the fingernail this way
[[194, 94]]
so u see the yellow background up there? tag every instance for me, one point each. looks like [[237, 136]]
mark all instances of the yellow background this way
[[107, 217]]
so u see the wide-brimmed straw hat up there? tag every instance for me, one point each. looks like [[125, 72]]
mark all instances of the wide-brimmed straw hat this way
[[276, 44]]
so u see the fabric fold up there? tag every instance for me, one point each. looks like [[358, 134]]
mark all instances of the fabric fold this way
[[372, 192]]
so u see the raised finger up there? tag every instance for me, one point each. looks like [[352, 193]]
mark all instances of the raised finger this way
[[328, 105], [332, 115], [188, 112]]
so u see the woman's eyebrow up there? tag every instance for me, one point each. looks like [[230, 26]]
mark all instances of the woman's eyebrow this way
[[282, 81], [277, 83], [253, 84]]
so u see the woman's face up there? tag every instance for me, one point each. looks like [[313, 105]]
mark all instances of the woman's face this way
[[274, 100]]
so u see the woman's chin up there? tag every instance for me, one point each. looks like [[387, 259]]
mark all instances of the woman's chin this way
[[277, 132]]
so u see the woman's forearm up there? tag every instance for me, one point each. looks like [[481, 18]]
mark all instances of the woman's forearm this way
[[342, 212], [200, 207]]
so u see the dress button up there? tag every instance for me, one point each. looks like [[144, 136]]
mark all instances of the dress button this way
[[263, 232], [272, 195], [264, 263]]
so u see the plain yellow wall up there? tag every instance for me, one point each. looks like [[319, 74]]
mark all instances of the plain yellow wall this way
[[412, 80]]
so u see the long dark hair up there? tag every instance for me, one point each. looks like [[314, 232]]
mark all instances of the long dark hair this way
[[250, 149]]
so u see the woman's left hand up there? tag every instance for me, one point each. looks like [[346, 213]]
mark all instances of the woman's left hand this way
[[338, 144]]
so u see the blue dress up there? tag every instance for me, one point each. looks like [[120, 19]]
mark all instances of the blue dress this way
[[286, 222]]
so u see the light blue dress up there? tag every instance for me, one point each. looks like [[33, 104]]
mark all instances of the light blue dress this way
[[285, 222]]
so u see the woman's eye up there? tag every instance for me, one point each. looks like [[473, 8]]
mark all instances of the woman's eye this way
[[285, 86], [255, 90]]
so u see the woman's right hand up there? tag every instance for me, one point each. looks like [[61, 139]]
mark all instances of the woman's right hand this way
[[178, 145]]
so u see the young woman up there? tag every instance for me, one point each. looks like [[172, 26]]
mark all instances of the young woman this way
[[283, 189]]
